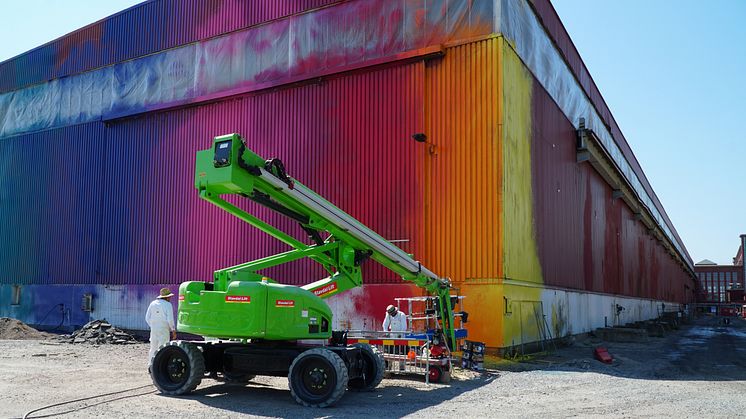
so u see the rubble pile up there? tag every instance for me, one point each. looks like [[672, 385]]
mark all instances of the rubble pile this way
[[100, 332], [16, 329]]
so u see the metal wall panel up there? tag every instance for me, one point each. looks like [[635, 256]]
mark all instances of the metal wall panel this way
[[50, 190], [142, 29], [464, 171], [556, 30], [586, 239], [348, 138]]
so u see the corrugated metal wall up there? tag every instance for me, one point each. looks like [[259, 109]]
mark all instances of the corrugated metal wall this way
[[553, 25], [50, 205], [462, 195], [121, 201], [142, 29], [587, 239]]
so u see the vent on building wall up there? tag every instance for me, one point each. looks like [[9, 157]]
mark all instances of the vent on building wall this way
[[16, 297], [87, 303]]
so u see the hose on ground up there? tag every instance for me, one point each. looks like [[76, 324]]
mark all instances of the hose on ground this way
[[28, 414]]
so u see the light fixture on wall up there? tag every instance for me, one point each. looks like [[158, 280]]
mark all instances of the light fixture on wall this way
[[422, 138]]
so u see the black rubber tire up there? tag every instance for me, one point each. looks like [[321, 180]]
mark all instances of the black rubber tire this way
[[374, 369], [177, 368], [327, 369]]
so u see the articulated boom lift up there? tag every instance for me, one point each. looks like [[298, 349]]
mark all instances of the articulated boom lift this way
[[257, 321]]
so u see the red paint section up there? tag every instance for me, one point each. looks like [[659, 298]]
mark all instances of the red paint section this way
[[587, 239], [556, 30]]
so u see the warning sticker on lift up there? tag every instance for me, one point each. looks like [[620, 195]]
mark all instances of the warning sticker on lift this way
[[237, 299], [181, 297], [284, 303], [326, 290]]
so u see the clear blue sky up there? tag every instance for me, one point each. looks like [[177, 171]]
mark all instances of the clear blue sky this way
[[29, 23], [672, 72], [674, 75]]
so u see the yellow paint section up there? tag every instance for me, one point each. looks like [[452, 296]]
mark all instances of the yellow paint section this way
[[520, 255], [523, 314]]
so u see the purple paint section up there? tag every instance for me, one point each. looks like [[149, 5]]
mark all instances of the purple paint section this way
[[288, 50], [140, 30]]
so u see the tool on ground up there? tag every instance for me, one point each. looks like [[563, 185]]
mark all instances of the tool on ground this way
[[270, 318], [602, 354]]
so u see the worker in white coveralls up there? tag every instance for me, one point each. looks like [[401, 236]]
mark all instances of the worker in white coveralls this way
[[395, 321], [160, 318]]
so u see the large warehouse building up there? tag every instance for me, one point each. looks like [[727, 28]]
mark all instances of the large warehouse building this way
[[526, 192]]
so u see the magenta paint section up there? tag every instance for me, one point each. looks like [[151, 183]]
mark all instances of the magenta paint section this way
[[347, 138]]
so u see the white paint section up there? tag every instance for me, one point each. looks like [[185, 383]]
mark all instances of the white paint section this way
[[124, 306], [570, 312]]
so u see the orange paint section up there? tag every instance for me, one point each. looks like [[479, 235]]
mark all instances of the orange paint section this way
[[463, 178]]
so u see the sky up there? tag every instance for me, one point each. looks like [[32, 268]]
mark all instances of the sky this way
[[46, 20], [672, 72], [674, 76]]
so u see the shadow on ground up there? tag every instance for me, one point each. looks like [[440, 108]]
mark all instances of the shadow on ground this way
[[394, 398], [705, 350]]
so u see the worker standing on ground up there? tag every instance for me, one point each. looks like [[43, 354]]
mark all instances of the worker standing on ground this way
[[395, 321], [160, 318]]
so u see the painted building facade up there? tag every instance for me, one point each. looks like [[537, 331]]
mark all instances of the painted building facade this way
[[526, 195]]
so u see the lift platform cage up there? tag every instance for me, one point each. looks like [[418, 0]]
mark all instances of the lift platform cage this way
[[421, 350]]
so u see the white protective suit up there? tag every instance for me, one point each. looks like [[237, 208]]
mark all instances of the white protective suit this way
[[160, 318], [397, 323]]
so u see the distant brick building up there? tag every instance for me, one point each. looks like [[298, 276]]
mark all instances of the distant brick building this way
[[719, 285]]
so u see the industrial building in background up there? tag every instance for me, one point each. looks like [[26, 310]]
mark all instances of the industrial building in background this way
[[720, 288], [469, 133]]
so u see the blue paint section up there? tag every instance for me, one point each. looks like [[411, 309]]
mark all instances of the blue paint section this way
[[50, 205], [59, 307], [47, 306]]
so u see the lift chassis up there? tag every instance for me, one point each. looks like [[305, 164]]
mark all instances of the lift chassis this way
[[258, 326]]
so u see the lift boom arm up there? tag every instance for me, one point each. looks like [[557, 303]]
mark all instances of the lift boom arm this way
[[340, 242]]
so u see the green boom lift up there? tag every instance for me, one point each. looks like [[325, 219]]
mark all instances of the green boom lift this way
[[255, 323]]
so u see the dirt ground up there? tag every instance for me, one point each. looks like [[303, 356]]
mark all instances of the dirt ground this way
[[694, 372]]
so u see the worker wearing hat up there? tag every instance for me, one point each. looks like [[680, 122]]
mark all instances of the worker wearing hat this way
[[395, 321], [160, 318]]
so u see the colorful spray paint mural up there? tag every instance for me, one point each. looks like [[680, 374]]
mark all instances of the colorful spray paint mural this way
[[496, 199]]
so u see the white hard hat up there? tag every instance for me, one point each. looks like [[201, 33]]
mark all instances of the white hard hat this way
[[391, 309]]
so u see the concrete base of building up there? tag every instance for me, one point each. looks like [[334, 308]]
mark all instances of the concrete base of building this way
[[510, 317]]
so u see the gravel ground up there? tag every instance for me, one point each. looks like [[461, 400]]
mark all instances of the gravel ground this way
[[695, 372]]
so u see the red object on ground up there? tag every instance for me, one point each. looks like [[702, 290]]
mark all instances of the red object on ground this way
[[602, 355]]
